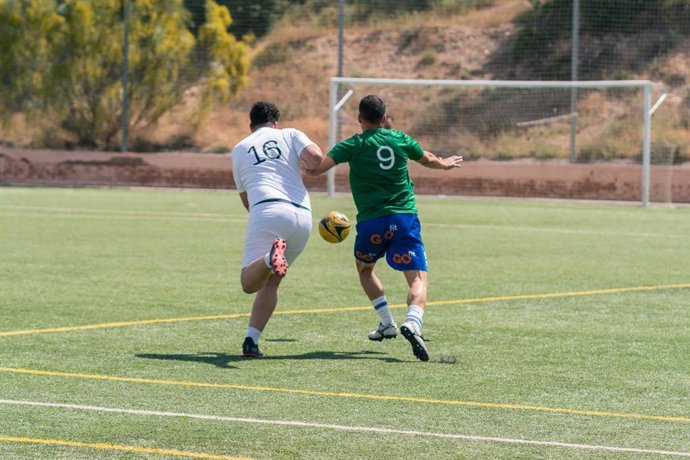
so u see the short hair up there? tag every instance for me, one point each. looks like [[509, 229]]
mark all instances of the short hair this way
[[372, 108], [263, 112]]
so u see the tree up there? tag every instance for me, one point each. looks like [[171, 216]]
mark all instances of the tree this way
[[225, 57], [25, 52], [250, 17], [81, 67]]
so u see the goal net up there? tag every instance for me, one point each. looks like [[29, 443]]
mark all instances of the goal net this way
[[605, 139]]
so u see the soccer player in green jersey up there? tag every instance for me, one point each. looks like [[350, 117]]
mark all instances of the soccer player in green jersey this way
[[387, 222]]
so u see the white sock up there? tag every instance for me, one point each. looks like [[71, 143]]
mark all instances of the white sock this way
[[267, 259], [254, 333], [414, 316], [380, 304]]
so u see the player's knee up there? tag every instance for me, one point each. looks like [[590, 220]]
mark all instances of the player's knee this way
[[365, 269], [248, 286], [421, 283], [417, 279]]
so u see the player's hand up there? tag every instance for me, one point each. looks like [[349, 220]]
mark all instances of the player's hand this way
[[308, 172], [452, 162], [303, 166]]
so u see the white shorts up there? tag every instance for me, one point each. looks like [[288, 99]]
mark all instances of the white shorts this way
[[268, 221]]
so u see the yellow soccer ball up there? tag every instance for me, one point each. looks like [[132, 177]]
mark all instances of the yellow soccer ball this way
[[334, 227]]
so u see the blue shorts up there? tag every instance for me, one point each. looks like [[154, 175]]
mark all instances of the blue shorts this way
[[398, 236]]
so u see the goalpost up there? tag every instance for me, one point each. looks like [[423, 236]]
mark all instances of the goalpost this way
[[505, 119]]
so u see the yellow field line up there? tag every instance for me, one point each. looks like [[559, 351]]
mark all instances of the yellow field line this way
[[104, 446], [563, 294], [342, 309], [445, 402], [121, 324]]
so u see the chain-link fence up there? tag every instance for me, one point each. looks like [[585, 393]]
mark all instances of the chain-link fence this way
[[145, 75]]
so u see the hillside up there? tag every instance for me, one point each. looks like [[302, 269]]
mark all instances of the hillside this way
[[293, 65], [492, 40]]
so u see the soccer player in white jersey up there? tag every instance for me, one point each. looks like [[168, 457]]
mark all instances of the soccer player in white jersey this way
[[267, 168]]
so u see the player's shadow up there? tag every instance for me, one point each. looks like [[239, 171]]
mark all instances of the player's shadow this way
[[337, 355], [223, 360]]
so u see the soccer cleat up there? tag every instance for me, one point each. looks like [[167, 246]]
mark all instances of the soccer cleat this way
[[250, 349], [279, 263], [416, 340], [384, 332]]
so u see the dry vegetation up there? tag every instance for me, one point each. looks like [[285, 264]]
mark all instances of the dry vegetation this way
[[292, 66], [294, 63]]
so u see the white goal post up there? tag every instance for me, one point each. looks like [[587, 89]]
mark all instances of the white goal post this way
[[338, 86]]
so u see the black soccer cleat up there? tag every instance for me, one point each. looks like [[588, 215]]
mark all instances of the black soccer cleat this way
[[417, 342], [250, 349]]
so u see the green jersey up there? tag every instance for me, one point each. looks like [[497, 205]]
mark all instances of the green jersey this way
[[379, 179]]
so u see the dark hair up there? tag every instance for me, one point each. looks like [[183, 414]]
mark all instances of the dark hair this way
[[263, 112], [372, 108]]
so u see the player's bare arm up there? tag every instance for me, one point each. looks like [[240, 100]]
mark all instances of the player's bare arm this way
[[429, 160], [311, 157], [326, 164]]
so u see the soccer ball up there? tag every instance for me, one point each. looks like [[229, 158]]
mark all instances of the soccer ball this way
[[334, 227]]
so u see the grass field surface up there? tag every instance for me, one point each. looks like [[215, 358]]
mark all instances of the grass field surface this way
[[555, 330]]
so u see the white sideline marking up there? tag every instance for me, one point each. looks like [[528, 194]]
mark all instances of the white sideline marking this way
[[127, 212], [213, 217], [138, 217], [569, 231], [365, 429]]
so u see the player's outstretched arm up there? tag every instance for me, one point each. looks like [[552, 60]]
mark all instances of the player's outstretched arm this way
[[429, 160], [311, 156], [326, 164]]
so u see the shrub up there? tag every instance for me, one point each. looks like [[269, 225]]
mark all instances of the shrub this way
[[67, 63], [428, 58]]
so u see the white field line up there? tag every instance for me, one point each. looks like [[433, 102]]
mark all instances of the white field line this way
[[130, 212], [569, 231], [361, 429], [125, 217], [211, 217]]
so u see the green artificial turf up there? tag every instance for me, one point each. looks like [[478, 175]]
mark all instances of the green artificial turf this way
[[548, 322]]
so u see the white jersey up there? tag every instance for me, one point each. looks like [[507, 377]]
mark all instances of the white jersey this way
[[266, 165]]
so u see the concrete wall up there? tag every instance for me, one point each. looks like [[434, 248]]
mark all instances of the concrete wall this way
[[611, 181]]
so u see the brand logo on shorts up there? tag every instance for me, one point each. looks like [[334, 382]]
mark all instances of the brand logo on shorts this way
[[403, 259], [391, 231], [367, 257]]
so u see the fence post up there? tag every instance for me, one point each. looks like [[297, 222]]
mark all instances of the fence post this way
[[332, 100], [335, 95], [646, 143], [124, 122], [575, 56]]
